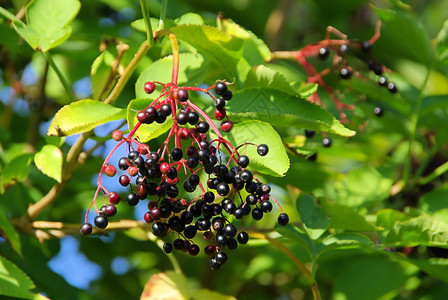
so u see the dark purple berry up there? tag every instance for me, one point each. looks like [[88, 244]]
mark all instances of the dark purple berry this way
[[167, 248], [101, 222], [323, 53], [86, 229], [283, 219], [221, 88], [326, 142], [182, 95], [262, 150], [243, 237]]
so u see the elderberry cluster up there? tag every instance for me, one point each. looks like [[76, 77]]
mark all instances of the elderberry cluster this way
[[195, 163]]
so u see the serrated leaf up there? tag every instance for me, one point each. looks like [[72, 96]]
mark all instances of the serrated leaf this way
[[145, 132], [224, 49], [192, 70], [16, 170], [346, 218], [99, 74], [13, 281], [403, 35], [255, 49], [11, 234], [262, 76], [281, 109], [82, 116], [49, 161], [258, 132], [47, 22], [313, 216], [442, 43]]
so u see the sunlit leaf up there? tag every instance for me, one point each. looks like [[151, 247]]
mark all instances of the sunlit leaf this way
[[82, 116]]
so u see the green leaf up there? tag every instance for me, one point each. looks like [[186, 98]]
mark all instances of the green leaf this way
[[255, 49], [281, 109], [221, 47], [188, 18], [258, 132], [145, 132], [313, 216], [404, 230], [99, 74], [262, 76], [360, 187], [140, 24], [345, 240], [346, 218], [47, 22], [10, 233], [171, 285], [192, 70], [295, 235], [82, 116], [16, 170], [442, 43], [13, 281], [369, 277], [49, 161], [437, 267], [402, 35]]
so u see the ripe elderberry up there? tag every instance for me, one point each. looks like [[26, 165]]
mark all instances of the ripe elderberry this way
[[157, 179]]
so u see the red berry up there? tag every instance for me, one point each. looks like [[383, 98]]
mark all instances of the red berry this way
[[172, 181], [220, 114], [143, 149], [165, 168], [133, 171], [117, 135], [140, 189], [114, 198], [110, 170], [184, 133], [226, 126], [149, 87], [124, 180], [147, 217]]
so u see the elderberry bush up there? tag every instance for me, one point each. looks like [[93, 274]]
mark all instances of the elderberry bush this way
[[191, 161]]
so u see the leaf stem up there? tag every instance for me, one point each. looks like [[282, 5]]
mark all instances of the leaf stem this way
[[61, 77], [414, 124], [437, 172], [127, 73], [145, 11], [163, 14]]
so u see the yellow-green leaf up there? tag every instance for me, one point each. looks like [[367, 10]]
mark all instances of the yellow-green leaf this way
[[82, 116], [49, 161]]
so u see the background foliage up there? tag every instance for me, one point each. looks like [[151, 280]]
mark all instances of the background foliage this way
[[368, 217]]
